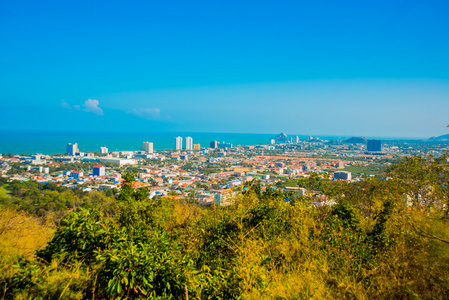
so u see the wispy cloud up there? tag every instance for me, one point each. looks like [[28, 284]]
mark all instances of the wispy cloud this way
[[64, 104], [147, 113], [91, 105]]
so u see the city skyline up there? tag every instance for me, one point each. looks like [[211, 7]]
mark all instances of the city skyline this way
[[344, 69]]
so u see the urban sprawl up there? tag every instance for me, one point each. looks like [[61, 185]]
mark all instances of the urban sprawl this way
[[216, 174]]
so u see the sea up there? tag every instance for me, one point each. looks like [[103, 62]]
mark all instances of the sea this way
[[53, 142], [20, 142]]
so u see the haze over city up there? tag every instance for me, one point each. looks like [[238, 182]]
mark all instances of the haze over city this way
[[322, 68]]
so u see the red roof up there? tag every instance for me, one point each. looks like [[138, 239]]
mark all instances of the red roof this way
[[98, 166]]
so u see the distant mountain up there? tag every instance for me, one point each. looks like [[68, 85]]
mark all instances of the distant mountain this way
[[356, 140], [441, 138], [282, 137]]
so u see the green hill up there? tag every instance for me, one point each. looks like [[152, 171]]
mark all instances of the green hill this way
[[356, 140]]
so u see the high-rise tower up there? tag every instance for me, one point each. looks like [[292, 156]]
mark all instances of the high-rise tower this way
[[214, 144], [189, 143], [179, 143], [374, 145], [147, 147], [72, 149]]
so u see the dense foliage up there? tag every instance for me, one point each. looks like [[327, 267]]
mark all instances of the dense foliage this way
[[384, 238], [48, 200]]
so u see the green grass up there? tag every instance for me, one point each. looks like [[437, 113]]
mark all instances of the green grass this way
[[4, 193]]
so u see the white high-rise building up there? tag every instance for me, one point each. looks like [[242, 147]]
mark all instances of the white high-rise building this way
[[147, 147], [179, 143], [297, 139], [189, 143], [104, 150], [72, 149]]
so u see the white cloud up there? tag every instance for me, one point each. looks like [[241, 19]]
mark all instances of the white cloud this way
[[147, 113], [91, 105], [64, 104]]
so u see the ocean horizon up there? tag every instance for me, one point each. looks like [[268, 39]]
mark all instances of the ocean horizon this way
[[53, 142]]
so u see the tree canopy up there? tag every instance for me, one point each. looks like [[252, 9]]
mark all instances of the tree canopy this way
[[383, 238]]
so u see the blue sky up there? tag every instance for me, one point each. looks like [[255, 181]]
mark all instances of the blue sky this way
[[373, 68]]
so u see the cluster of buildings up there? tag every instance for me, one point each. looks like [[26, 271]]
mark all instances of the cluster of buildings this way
[[189, 144], [209, 175]]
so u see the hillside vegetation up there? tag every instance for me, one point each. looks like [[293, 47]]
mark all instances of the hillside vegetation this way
[[384, 239]]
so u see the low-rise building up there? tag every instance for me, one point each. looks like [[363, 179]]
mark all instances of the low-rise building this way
[[98, 170], [76, 174], [343, 175], [117, 161]]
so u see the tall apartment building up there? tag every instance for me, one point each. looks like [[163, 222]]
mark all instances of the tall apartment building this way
[[189, 143], [147, 147], [374, 145], [214, 144], [72, 149], [196, 147], [179, 143], [104, 150]]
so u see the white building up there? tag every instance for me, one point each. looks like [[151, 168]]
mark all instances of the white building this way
[[147, 147], [118, 161], [104, 150], [36, 160], [179, 143], [72, 148], [189, 143], [127, 154]]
